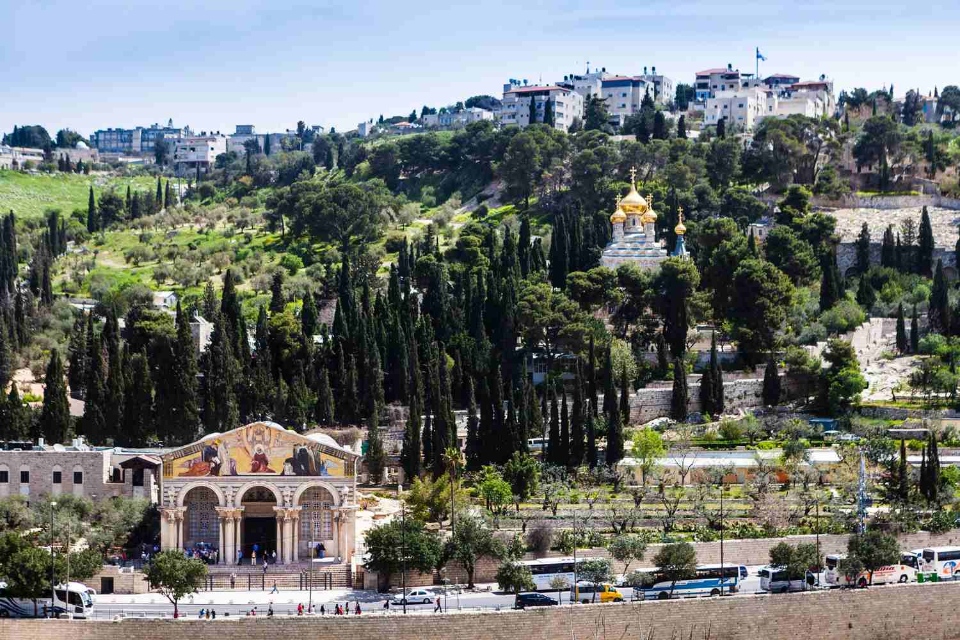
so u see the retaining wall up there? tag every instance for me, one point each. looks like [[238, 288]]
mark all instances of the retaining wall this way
[[893, 613]]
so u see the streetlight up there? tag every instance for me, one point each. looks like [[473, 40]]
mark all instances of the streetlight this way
[[723, 572], [53, 581], [403, 546]]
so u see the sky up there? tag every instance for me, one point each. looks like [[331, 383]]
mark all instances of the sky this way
[[214, 64]]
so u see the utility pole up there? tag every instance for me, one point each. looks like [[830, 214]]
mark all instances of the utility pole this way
[[69, 609], [53, 580], [403, 547], [723, 569], [862, 496], [575, 590]]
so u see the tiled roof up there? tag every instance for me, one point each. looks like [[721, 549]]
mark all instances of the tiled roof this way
[[710, 71]]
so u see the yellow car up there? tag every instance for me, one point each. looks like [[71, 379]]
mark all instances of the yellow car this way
[[584, 592]]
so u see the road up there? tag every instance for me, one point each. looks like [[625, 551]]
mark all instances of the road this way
[[239, 603]]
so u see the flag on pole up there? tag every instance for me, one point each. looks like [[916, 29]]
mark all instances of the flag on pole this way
[[760, 56]]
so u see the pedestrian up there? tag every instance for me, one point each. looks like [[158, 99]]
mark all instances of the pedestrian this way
[[208, 614], [253, 558], [310, 610], [233, 580], [274, 590], [214, 614], [270, 611], [318, 550], [201, 613], [274, 554], [438, 608], [321, 550], [386, 605], [239, 556], [264, 564], [300, 609], [357, 610]]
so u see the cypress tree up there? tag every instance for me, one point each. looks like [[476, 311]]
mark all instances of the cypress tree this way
[[707, 394], [830, 286], [548, 113], [277, 301], [221, 411], [682, 127], [534, 415], [624, 398], [901, 331], [901, 257], [498, 450], [888, 251], [138, 408], [158, 198], [614, 451], [903, 477], [532, 116], [325, 409], [445, 428], [925, 247], [523, 246], [663, 364], [914, 332], [308, 316], [939, 312], [863, 249], [14, 417], [866, 296], [167, 196], [6, 360], [553, 441], [376, 456], [564, 452], [678, 400], [719, 401], [473, 428], [94, 422], [114, 392], [92, 223], [771, 384], [77, 358], [55, 415], [752, 245], [577, 426]]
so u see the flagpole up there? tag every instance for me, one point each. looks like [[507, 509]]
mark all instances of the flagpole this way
[[756, 77]]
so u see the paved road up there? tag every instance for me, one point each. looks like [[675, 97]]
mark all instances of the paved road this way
[[285, 603]]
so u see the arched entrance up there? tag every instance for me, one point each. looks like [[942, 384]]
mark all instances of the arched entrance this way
[[258, 534], [202, 525]]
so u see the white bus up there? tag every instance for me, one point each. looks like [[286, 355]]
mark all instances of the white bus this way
[[76, 594], [711, 580], [546, 569], [905, 571], [941, 560]]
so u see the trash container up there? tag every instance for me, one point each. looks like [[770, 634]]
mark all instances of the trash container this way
[[920, 578]]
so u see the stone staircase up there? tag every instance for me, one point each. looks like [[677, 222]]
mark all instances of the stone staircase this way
[[290, 577]]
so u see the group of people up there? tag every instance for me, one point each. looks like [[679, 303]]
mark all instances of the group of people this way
[[267, 557], [209, 614], [203, 551]]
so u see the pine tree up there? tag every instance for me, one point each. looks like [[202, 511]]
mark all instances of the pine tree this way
[[939, 312], [914, 332], [678, 400], [901, 331], [55, 415], [925, 247], [863, 249], [771, 384]]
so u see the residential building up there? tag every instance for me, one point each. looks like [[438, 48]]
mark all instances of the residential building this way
[[198, 153], [623, 95], [202, 332], [565, 102], [365, 129], [710, 81], [455, 119], [238, 140], [15, 157], [663, 89], [164, 300], [140, 140], [777, 80], [740, 107]]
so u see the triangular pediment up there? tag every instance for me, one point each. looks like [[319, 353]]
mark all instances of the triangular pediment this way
[[257, 449]]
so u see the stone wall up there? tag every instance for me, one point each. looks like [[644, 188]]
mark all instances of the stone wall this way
[[124, 580], [887, 203], [908, 611], [847, 258]]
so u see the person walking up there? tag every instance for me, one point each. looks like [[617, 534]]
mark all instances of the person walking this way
[[233, 580], [253, 558], [201, 614], [239, 556], [386, 606], [214, 614], [437, 608], [264, 564], [321, 550], [274, 554], [274, 590], [270, 610], [357, 610]]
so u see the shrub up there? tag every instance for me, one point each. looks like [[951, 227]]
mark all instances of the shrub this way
[[291, 263], [540, 537], [730, 430], [941, 522], [513, 577], [394, 241]]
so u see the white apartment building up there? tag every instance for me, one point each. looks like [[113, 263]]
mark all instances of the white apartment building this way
[[711, 81], [15, 157], [741, 107], [623, 95], [198, 152], [242, 134], [566, 103], [662, 86]]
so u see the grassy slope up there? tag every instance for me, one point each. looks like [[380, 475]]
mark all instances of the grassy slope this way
[[29, 195]]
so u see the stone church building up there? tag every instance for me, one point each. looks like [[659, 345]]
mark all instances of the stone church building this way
[[260, 488]]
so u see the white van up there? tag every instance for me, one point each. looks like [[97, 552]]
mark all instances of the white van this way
[[774, 580]]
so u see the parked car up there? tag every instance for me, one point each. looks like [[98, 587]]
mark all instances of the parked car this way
[[533, 599], [415, 596]]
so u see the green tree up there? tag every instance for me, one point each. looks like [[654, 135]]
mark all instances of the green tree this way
[[596, 571], [627, 549], [513, 577], [841, 383], [388, 544], [872, 550], [472, 540], [55, 416], [679, 397], [174, 576], [676, 561], [939, 312], [596, 115], [795, 561], [675, 285], [901, 331], [522, 472], [762, 294], [914, 331], [648, 447], [790, 253], [771, 384], [548, 117], [925, 245]]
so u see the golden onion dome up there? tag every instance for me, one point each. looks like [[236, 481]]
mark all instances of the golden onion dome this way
[[649, 216], [633, 203], [618, 217], [680, 229]]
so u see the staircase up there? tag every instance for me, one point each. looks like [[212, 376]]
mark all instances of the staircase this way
[[291, 577]]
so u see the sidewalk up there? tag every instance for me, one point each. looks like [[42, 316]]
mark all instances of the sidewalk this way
[[245, 597]]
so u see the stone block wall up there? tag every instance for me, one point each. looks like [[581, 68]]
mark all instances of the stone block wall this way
[[894, 613]]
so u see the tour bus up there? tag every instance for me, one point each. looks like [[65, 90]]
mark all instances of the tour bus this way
[[905, 571], [774, 580], [546, 569], [941, 560], [710, 580], [77, 594]]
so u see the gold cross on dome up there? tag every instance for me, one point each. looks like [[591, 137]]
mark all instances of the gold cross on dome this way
[[650, 201], [680, 213], [633, 175], [619, 198]]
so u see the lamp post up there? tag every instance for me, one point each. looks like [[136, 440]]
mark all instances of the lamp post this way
[[403, 547], [53, 581], [723, 571]]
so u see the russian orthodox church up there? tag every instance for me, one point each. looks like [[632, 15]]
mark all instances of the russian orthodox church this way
[[634, 233]]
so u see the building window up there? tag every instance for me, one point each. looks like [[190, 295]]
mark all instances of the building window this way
[[741, 105], [4, 476], [57, 477], [24, 476], [138, 477], [78, 477], [316, 517]]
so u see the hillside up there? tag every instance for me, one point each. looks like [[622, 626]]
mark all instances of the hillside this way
[[29, 195]]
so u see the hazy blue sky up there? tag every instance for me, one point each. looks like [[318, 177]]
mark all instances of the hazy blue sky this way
[[214, 64]]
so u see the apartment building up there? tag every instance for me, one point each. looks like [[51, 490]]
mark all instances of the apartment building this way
[[623, 95], [198, 153], [242, 134], [711, 81], [136, 141], [455, 119], [663, 89], [743, 107], [565, 102]]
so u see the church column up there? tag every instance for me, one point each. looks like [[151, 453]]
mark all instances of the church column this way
[[295, 525], [287, 536], [223, 518], [281, 541], [237, 531], [168, 528], [180, 514]]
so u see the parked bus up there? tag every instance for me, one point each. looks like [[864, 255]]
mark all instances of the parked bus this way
[[547, 569], [710, 580], [834, 575], [74, 593], [942, 561]]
